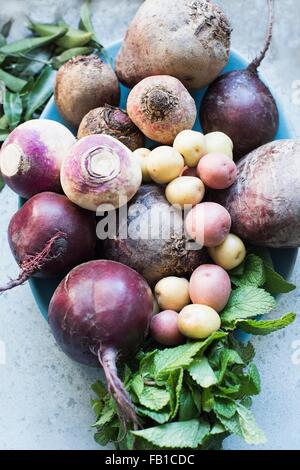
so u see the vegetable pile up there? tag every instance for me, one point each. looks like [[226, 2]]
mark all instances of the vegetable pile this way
[[160, 297]]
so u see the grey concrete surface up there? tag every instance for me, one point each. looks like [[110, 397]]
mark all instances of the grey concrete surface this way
[[44, 397]]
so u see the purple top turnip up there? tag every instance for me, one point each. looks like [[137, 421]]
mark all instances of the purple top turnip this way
[[48, 236], [31, 156], [99, 313], [112, 121], [239, 104], [100, 171]]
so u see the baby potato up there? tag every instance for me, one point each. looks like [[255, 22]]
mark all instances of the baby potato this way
[[217, 171], [142, 154], [164, 164], [210, 285], [218, 142], [198, 321], [191, 145], [208, 224], [172, 293], [185, 190], [164, 328], [230, 254]]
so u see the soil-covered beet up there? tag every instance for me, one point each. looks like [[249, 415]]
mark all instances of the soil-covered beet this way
[[165, 251]]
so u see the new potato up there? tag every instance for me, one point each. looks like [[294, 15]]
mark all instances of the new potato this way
[[210, 285], [185, 190], [198, 321], [164, 328], [217, 171], [230, 254], [164, 164], [191, 145], [172, 293], [142, 155], [218, 142]]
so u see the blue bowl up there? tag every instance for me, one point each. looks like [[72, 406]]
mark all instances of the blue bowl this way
[[284, 260]]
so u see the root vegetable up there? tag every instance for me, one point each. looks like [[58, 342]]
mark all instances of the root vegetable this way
[[185, 190], [155, 246], [164, 164], [100, 170], [48, 236], [112, 121], [208, 223], [191, 145], [101, 313], [32, 155], [164, 328], [198, 321], [210, 285], [172, 293], [264, 202], [241, 105], [142, 155], [230, 254], [161, 107], [218, 142], [84, 83], [189, 40], [217, 171]]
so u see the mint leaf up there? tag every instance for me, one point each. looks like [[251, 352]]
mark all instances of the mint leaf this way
[[147, 368], [266, 327], [160, 417], [275, 283], [178, 435], [250, 431], [207, 400], [202, 373], [174, 386], [154, 398], [99, 389], [245, 351], [245, 302], [107, 414], [253, 273], [225, 407], [250, 382], [232, 424], [187, 407], [228, 357]]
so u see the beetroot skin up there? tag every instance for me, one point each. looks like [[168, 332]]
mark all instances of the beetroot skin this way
[[50, 235], [101, 311]]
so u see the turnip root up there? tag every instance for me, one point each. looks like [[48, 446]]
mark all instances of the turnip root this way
[[187, 39], [32, 155], [161, 107], [264, 202], [101, 313], [100, 170], [112, 121], [156, 246], [84, 83], [48, 236]]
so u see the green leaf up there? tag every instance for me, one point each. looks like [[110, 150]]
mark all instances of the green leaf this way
[[13, 108], [137, 385], [228, 357], [253, 273], [275, 283], [154, 398], [99, 389], [250, 383], [202, 373], [245, 350], [245, 302], [250, 431], [266, 327], [74, 38], [4, 123], [61, 59], [11, 82], [106, 416], [232, 424], [207, 400], [86, 21], [35, 61], [225, 407], [3, 135], [27, 44], [178, 435], [41, 91], [147, 367], [174, 386], [170, 359], [2, 184], [187, 407], [160, 417], [5, 29]]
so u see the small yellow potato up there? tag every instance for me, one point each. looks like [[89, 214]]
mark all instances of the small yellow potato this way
[[230, 254], [218, 142], [164, 164], [172, 293], [191, 145], [198, 321], [142, 154], [185, 190]]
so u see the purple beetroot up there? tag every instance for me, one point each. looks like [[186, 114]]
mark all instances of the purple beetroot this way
[[48, 236], [100, 171], [101, 313], [31, 156], [239, 104]]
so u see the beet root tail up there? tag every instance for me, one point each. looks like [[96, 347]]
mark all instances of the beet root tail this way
[[107, 357], [33, 263]]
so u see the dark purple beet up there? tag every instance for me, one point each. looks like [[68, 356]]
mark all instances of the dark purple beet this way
[[50, 235], [101, 312], [239, 104]]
